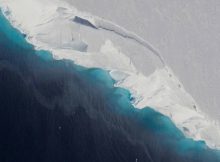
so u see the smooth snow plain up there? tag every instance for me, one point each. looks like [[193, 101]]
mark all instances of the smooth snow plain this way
[[135, 64]]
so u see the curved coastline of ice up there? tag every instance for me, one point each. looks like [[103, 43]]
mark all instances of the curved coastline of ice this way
[[50, 26]]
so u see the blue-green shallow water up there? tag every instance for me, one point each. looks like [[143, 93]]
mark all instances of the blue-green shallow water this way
[[98, 122]]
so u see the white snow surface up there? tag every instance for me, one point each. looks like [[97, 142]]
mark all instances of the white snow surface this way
[[131, 60]]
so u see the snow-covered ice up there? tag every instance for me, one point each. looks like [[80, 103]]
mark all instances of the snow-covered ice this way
[[94, 41]]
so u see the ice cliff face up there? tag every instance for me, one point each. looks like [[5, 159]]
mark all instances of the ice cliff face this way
[[132, 61]]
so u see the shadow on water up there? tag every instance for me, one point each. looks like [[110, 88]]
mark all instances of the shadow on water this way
[[57, 111]]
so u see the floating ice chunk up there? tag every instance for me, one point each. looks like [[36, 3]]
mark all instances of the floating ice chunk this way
[[77, 45], [118, 75]]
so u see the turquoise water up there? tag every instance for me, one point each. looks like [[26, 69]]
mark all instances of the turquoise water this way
[[18, 38], [153, 124]]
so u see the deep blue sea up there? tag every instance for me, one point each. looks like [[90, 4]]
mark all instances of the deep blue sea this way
[[56, 111]]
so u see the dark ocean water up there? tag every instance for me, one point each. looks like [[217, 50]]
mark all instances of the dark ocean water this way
[[55, 111]]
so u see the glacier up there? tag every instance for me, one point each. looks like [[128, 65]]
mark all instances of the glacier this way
[[134, 63]]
